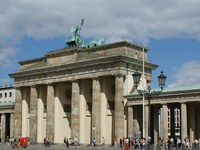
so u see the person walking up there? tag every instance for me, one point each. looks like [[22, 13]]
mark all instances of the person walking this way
[[126, 147], [8, 141], [75, 142], [115, 141], [94, 142], [66, 142]]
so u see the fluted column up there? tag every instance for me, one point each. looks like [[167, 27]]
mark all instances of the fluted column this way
[[156, 128], [119, 106], [50, 111], [25, 112], [3, 128], [18, 113], [96, 109], [12, 124], [75, 116], [40, 110], [164, 122], [183, 121], [130, 121], [172, 118], [191, 121], [33, 113], [103, 110]]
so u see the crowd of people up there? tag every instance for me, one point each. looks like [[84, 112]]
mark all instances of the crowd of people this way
[[128, 142], [141, 143], [16, 143], [178, 144], [124, 143], [46, 142], [71, 142]]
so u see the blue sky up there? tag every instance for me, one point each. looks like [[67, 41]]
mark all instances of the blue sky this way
[[171, 30]]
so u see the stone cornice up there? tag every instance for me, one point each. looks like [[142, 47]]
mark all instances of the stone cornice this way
[[7, 109], [32, 60], [170, 97], [81, 64]]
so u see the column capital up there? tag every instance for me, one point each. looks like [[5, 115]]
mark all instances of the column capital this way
[[76, 81], [120, 75], [96, 78], [163, 103], [50, 83], [183, 102], [130, 108], [34, 86], [17, 87]]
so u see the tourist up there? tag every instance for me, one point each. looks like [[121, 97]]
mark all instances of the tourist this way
[[75, 142], [103, 142]]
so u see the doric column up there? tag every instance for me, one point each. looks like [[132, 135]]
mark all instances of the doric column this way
[[50, 111], [33, 113], [3, 128], [12, 124], [18, 113], [183, 121], [40, 111], [136, 119], [25, 112], [130, 121], [191, 121], [82, 104], [156, 128], [75, 118], [172, 120], [96, 110], [103, 109], [119, 106], [164, 122]]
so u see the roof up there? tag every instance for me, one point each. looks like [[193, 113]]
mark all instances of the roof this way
[[171, 90], [7, 104], [6, 87]]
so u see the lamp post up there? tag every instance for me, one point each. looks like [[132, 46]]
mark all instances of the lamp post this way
[[148, 95]]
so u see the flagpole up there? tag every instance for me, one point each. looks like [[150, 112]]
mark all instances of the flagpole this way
[[143, 98]]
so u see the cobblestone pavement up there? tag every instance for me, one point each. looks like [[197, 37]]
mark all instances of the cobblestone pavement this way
[[59, 147]]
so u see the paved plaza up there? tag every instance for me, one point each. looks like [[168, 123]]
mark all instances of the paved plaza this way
[[58, 147]]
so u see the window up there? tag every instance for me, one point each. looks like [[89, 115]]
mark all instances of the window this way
[[5, 95], [10, 94], [0, 95]]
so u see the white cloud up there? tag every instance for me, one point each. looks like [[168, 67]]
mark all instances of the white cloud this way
[[188, 74], [8, 52], [5, 81], [134, 20]]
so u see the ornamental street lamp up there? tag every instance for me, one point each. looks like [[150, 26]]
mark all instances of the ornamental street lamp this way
[[149, 94]]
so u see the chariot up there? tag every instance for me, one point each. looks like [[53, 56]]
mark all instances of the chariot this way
[[75, 40]]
